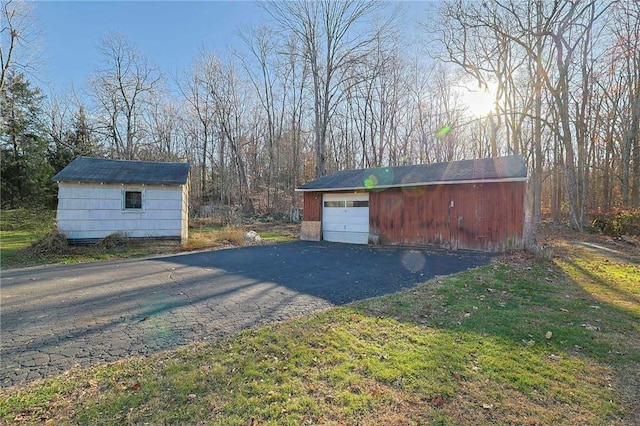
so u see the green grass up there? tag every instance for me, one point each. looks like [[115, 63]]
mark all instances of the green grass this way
[[20, 229], [471, 348], [275, 237], [608, 274]]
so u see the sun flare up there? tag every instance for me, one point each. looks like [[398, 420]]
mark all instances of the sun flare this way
[[478, 101]]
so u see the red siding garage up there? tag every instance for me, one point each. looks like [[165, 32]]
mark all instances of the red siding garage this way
[[470, 205], [486, 217]]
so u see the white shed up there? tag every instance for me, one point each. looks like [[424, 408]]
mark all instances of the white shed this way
[[140, 199]]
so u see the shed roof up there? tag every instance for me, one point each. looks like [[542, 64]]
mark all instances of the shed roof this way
[[497, 169], [87, 169]]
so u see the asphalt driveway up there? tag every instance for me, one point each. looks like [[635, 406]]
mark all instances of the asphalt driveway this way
[[57, 317]]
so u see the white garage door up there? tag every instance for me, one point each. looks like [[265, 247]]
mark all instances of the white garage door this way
[[345, 218]]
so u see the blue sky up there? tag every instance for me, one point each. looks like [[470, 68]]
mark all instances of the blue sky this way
[[169, 33]]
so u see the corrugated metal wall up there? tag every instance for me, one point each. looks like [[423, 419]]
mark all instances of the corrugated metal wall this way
[[487, 217]]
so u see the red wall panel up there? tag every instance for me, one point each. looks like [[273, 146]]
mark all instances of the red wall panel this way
[[483, 216], [488, 216], [312, 206]]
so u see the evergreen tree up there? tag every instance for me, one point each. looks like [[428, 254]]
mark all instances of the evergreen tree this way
[[25, 173], [79, 140]]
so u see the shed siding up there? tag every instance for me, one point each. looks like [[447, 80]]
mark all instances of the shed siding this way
[[184, 214], [487, 216], [89, 211]]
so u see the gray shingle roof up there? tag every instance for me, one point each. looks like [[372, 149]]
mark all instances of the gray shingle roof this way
[[511, 168], [87, 169]]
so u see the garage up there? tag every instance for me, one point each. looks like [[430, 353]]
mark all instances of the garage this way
[[474, 204], [345, 218]]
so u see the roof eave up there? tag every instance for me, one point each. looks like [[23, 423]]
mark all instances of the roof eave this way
[[406, 185], [120, 182]]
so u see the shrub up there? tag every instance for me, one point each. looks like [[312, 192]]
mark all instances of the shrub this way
[[53, 243], [114, 241], [617, 222]]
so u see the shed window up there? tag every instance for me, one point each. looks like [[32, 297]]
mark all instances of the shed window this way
[[133, 200]]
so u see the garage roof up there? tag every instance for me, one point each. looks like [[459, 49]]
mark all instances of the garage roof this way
[[87, 169], [498, 169]]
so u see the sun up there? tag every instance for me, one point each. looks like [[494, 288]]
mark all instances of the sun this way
[[478, 102]]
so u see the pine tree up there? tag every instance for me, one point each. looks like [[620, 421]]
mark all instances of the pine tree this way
[[79, 140], [25, 172]]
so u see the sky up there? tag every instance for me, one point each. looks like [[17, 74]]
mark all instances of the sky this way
[[169, 33]]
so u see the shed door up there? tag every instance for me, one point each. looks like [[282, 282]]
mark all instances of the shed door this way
[[345, 218]]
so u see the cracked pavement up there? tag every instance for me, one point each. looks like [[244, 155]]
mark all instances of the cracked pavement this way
[[56, 317]]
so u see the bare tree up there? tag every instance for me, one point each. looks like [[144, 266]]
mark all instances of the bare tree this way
[[376, 97], [294, 80], [572, 27], [197, 90], [122, 89], [326, 32], [163, 124], [230, 112], [264, 76], [561, 30], [18, 39], [626, 51], [615, 112], [70, 129]]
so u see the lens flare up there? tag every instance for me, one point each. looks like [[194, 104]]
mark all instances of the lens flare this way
[[443, 132], [380, 177], [385, 176], [370, 182], [413, 260]]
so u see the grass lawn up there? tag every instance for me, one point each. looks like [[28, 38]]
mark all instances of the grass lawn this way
[[27, 239], [519, 341], [18, 229]]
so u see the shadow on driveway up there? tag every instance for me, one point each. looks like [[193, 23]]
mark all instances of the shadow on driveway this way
[[56, 317], [337, 273]]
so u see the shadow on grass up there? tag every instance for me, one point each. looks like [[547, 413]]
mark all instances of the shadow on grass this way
[[521, 305], [605, 290], [536, 317], [610, 251]]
